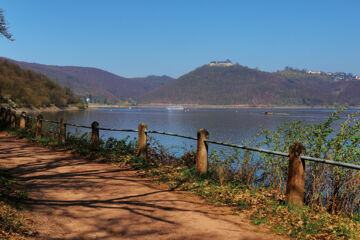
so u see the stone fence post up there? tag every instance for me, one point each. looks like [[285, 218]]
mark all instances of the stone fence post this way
[[38, 130], [62, 131], [22, 124], [202, 151], [142, 141], [296, 175], [13, 119], [95, 140]]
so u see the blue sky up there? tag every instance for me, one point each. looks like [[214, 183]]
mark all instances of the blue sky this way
[[139, 38]]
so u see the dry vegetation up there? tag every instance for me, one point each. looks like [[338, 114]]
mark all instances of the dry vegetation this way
[[13, 223]]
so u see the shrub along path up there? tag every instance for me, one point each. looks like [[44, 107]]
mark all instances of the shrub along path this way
[[73, 198]]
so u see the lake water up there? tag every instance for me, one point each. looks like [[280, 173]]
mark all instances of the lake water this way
[[232, 125]]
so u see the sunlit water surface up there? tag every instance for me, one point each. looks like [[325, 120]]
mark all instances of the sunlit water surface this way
[[228, 125]]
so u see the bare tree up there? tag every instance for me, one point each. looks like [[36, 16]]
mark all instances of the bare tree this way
[[3, 26]]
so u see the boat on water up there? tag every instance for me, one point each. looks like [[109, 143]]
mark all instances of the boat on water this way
[[175, 108]]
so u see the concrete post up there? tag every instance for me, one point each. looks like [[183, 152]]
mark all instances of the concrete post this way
[[95, 140], [142, 141], [62, 132], [13, 119], [202, 151], [22, 124], [38, 126], [296, 175]]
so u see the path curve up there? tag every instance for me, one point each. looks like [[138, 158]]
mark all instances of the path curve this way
[[73, 198]]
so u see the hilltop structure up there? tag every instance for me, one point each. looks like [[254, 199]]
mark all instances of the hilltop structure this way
[[336, 76], [226, 63]]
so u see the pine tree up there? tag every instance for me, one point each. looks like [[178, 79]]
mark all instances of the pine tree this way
[[3, 27]]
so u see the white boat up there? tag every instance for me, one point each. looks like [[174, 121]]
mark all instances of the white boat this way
[[175, 108]]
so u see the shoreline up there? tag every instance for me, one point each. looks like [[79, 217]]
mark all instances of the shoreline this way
[[44, 109], [186, 106], [198, 106]]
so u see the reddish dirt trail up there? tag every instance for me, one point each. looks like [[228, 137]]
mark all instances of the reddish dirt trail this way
[[73, 198]]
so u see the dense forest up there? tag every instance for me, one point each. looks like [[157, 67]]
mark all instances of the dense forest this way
[[101, 86], [238, 84], [29, 89]]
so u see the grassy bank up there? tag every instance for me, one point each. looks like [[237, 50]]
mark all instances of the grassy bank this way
[[254, 183]]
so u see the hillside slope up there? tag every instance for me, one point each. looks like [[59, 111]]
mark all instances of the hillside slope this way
[[26, 88], [100, 84], [241, 85]]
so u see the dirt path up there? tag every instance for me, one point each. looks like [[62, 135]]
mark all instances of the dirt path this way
[[76, 199]]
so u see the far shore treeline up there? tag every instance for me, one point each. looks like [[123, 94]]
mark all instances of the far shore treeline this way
[[240, 85], [25, 88]]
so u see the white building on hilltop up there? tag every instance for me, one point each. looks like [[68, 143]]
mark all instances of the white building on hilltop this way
[[312, 72], [226, 63]]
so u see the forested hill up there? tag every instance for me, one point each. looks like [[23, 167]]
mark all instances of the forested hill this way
[[29, 89], [102, 86], [238, 84]]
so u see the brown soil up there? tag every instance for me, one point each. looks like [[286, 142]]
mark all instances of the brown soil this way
[[73, 198]]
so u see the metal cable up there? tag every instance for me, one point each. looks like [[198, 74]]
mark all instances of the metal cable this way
[[319, 160], [249, 148], [74, 125], [331, 162], [171, 134], [118, 130]]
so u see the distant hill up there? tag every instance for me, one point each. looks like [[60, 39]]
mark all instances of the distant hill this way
[[99, 84], [236, 84], [30, 89]]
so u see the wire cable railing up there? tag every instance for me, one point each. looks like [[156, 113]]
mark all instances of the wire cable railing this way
[[78, 126], [249, 148], [170, 134], [267, 151]]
